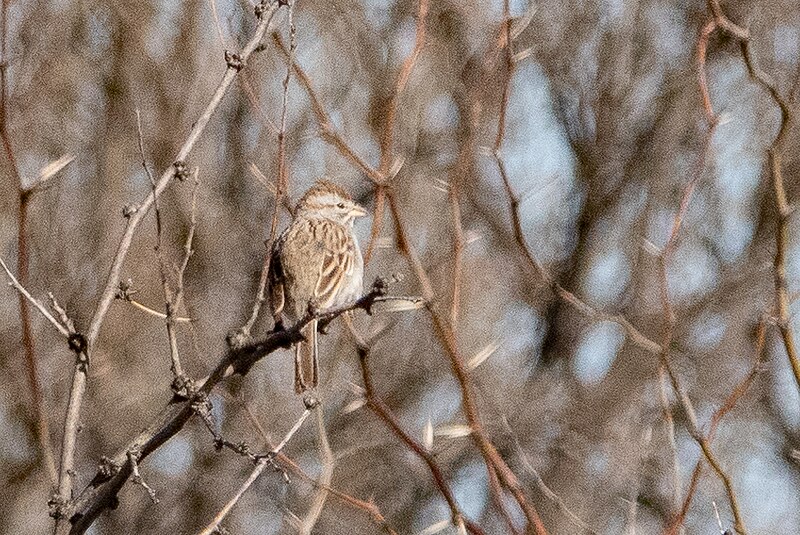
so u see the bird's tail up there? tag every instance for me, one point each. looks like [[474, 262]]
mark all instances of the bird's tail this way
[[306, 367]]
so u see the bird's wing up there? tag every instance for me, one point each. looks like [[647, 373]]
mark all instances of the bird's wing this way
[[338, 262]]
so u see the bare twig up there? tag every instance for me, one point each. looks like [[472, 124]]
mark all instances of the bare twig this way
[[327, 130], [40, 307], [281, 186], [261, 463], [730, 402], [443, 329], [781, 204], [543, 487], [156, 313], [136, 476], [169, 299], [369, 508], [669, 427], [387, 139]]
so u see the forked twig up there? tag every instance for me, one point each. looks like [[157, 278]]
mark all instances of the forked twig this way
[[261, 463]]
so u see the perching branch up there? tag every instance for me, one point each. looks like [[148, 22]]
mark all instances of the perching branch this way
[[101, 493]]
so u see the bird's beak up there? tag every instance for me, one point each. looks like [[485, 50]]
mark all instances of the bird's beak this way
[[357, 211]]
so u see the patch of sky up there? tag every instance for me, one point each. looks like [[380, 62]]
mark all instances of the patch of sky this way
[[597, 352], [525, 323], [174, 458], [726, 75], [793, 260], [692, 271], [494, 10], [262, 518], [99, 29], [308, 163], [15, 443], [786, 41], [667, 25], [440, 404], [441, 113], [607, 277], [707, 331], [771, 498], [405, 35], [433, 511], [597, 463], [164, 30], [784, 389], [90, 104], [378, 12], [470, 487], [539, 161], [611, 11]]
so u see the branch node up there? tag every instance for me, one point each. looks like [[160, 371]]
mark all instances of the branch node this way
[[183, 387], [136, 477], [78, 345], [238, 339], [310, 401], [233, 60], [260, 8], [128, 210], [108, 467], [57, 506], [181, 172], [125, 290]]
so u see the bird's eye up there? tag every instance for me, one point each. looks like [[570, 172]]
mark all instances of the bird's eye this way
[[340, 206]]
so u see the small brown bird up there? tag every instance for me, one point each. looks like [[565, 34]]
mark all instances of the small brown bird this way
[[316, 260]]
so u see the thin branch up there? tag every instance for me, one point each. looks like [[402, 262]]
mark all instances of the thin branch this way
[[136, 476], [387, 140], [23, 196], [281, 187], [234, 64], [324, 481], [369, 508], [783, 207], [40, 307], [169, 300], [669, 426], [261, 463], [728, 405], [384, 413], [443, 331], [327, 130], [160, 315], [544, 488]]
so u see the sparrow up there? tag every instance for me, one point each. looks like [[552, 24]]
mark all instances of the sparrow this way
[[315, 262]]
